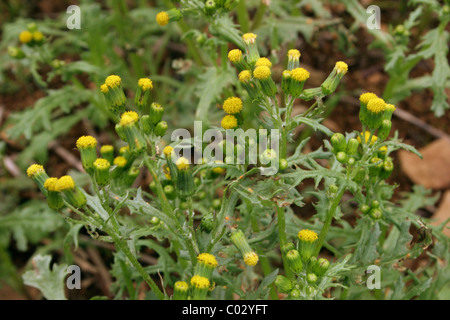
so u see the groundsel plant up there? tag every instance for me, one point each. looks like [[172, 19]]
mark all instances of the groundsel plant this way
[[226, 215]]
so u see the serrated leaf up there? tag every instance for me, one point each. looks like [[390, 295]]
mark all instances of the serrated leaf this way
[[49, 282], [313, 123]]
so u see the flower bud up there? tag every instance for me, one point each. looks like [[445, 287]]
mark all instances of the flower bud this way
[[236, 58], [161, 128], [307, 243], [164, 17], [16, 53], [185, 179], [37, 173], [352, 146], [87, 147], [286, 82], [321, 267], [338, 142], [287, 247], [283, 284], [232, 105], [298, 79], [263, 75], [293, 59], [364, 100], [180, 290], [107, 152], [54, 198], [207, 222], [375, 111], [238, 239], [385, 129], [376, 213], [112, 89], [71, 192], [342, 157], [156, 112], [199, 286], [311, 278], [169, 191], [206, 263], [294, 261], [388, 167], [128, 122], [101, 170], [145, 85], [251, 48], [210, 7], [331, 83]]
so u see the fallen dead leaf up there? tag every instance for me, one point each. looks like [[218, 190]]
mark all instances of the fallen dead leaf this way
[[443, 213], [434, 170]]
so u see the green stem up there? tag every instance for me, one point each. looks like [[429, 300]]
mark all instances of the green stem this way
[[328, 220], [243, 18], [283, 239], [124, 248], [259, 15]]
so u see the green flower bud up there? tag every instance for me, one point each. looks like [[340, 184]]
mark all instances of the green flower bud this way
[[210, 7], [365, 208], [101, 171], [321, 267], [286, 82], [307, 243], [338, 142], [342, 157], [294, 261], [161, 128], [295, 294], [376, 169], [146, 124], [87, 147], [311, 278], [352, 146], [216, 204], [169, 191], [156, 112], [54, 198], [283, 284], [376, 213], [107, 152], [206, 263], [287, 247], [240, 241], [207, 222], [283, 164], [385, 129], [388, 167], [180, 290], [185, 179], [37, 173]]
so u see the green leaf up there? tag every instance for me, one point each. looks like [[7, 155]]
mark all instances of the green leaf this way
[[313, 123], [49, 282], [210, 86]]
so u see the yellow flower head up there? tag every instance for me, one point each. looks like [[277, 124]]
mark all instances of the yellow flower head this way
[[366, 97], [106, 148], [383, 150], [182, 163], [34, 169], [120, 161], [249, 37], [102, 164], [229, 122], [113, 81], [124, 149], [366, 138], [104, 88], [168, 151], [25, 36], [162, 18], [307, 235], [145, 84], [50, 184], [200, 282], [300, 74], [341, 67], [207, 259], [245, 76], [376, 105], [262, 72], [64, 183], [263, 62], [251, 258], [218, 170], [38, 36], [129, 117], [232, 105], [85, 142], [235, 55], [293, 54]]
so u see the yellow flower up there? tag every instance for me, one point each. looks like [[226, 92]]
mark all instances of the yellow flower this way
[[307, 235], [366, 138], [64, 183], [50, 184], [262, 72], [38, 36], [34, 169], [251, 258], [124, 149], [162, 18], [300, 74], [249, 37], [366, 97], [376, 105], [200, 282], [182, 163], [168, 151], [102, 164], [181, 285], [390, 107], [263, 62], [232, 105], [245, 76], [25, 36], [113, 81], [235, 55], [341, 67], [106, 148], [120, 161], [86, 142], [293, 54], [104, 88], [207, 259], [229, 122], [218, 170], [129, 117], [145, 84]]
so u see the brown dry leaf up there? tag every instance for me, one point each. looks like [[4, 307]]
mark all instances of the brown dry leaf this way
[[443, 213], [434, 170]]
